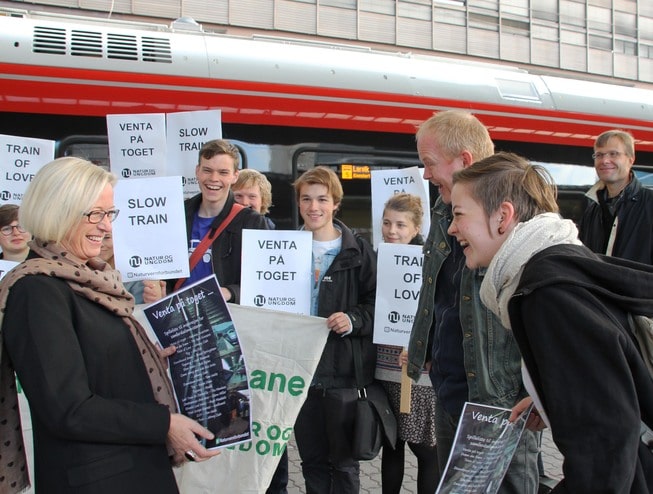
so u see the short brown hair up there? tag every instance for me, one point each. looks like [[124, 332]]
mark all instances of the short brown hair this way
[[321, 175], [406, 203], [625, 137], [219, 146], [8, 214], [507, 177]]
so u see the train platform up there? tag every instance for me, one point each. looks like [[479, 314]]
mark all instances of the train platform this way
[[371, 470]]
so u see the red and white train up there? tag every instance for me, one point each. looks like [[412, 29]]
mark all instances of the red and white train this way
[[291, 104]]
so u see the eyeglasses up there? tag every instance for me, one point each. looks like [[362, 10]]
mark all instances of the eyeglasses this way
[[95, 217], [610, 154], [9, 229]]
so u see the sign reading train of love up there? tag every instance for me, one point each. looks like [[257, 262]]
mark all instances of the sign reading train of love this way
[[20, 159], [398, 281], [282, 351]]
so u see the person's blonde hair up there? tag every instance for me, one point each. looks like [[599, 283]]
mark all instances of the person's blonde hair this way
[[406, 203], [507, 177], [58, 196], [321, 175], [456, 131], [254, 178]]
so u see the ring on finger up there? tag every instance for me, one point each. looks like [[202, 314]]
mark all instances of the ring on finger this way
[[190, 455]]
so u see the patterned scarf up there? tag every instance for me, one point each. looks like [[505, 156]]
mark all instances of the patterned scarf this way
[[97, 282]]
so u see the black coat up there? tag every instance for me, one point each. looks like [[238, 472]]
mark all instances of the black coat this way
[[634, 238], [227, 247], [349, 286], [97, 428], [569, 317]]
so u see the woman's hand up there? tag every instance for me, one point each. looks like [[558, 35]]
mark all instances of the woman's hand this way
[[182, 439], [534, 422]]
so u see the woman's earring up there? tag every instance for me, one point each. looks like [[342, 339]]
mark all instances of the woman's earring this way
[[501, 230]]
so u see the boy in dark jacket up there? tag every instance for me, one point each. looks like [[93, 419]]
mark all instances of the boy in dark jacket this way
[[216, 172], [344, 288]]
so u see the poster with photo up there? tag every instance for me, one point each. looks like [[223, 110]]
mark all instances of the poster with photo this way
[[208, 369], [483, 447]]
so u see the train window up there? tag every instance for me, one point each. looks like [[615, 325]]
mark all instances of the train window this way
[[572, 182], [92, 148], [353, 165], [645, 175]]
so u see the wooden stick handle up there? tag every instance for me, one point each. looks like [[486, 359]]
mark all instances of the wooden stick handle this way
[[406, 383]]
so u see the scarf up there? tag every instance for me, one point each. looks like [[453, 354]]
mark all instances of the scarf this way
[[526, 239], [97, 282]]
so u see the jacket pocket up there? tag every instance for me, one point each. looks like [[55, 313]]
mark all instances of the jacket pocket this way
[[100, 468]]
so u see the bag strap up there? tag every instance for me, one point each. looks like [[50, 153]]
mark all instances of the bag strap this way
[[358, 364], [208, 240]]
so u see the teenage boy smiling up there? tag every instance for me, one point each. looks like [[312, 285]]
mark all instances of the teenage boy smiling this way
[[344, 289], [206, 212]]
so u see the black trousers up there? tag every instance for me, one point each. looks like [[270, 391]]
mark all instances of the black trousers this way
[[323, 430]]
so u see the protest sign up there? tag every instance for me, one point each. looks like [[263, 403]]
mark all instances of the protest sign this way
[[20, 159], [399, 279], [6, 266], [276, 270], [208, 369], [484, 445], [137, 145], [149, 234], [386, 183], [187, 133], [282, 351]]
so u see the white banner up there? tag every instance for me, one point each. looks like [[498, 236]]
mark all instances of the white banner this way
[[398, 281], [149, 235], [6, 266], [276, 270], [386, 183], [137, 145], [282, 351], [20, 159], [187, 133]]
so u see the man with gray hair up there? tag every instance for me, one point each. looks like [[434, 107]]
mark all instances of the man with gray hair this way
[[618, 220]]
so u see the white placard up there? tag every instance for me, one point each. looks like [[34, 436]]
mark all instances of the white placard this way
[[386, 183], [20, 159], [6, 266], [137, 145], [276, 270], [187, 133], [398, 281], [149, 235]]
